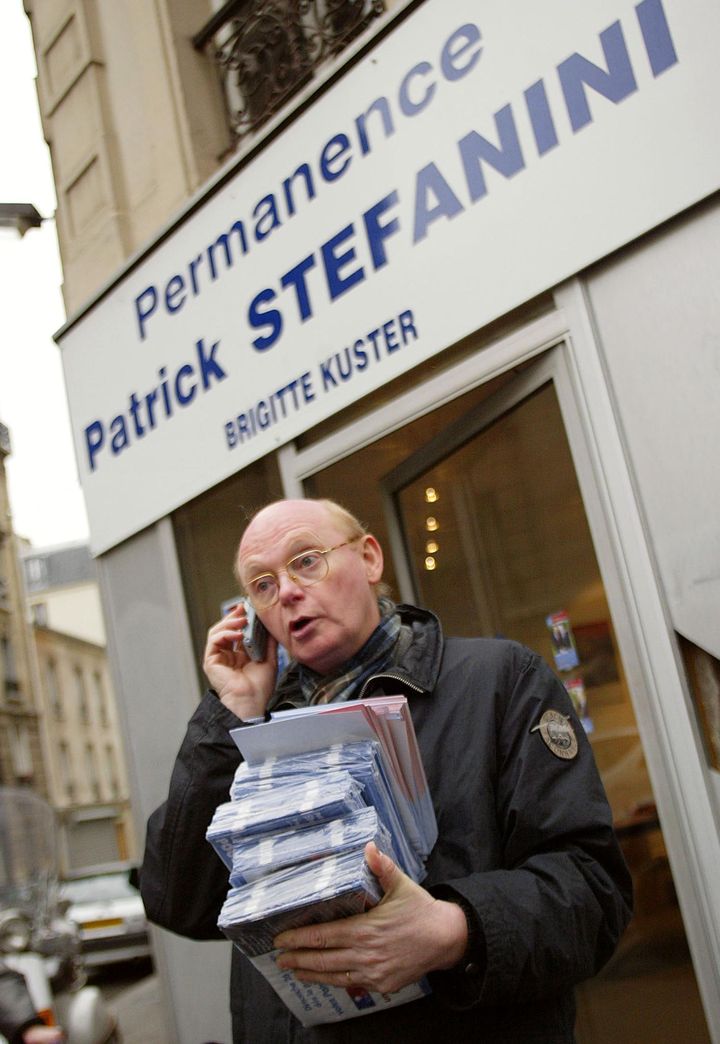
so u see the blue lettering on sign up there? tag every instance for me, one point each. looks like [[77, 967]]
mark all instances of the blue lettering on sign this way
[[374, 346], [433, 199], [579, 76], [338, 260], [417, 90], [541, 118], [144, 411], [363, 244], [276, 406], [506, 158], [615, 83]]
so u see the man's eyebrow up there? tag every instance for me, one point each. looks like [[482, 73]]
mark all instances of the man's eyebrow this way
[[256, 567]]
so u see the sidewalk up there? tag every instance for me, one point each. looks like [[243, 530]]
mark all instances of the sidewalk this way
[[139, 1013]]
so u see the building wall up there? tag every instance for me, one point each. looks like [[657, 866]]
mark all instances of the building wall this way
[[158, 681], [130, 113], [21, 758], [84, 750], [657, 310], [75, 610], [135, 120], [85, 757]]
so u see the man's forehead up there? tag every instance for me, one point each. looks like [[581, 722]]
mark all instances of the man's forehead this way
[[274, 536], [260, 548]]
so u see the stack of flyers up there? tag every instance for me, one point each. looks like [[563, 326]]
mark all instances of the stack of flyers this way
[[315, 787], [324, 890], [292, 803], [365, 762], [266, 854], [384, 719]]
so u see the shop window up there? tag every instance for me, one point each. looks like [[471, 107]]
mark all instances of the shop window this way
[[484, 502], [373, 462], [207, 533]]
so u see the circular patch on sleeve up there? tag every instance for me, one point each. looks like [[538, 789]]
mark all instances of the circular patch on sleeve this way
[[558, 735]]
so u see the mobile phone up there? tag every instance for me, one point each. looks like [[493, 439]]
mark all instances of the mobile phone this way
[[254, 635]]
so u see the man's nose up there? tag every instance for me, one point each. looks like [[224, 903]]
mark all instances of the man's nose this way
[[288, 588]]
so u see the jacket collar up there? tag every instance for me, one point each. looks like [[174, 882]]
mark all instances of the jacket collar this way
[[418, 668]]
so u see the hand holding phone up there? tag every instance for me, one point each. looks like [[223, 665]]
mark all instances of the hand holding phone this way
[[254, 635]]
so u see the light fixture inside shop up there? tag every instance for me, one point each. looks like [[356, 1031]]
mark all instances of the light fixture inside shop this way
[[432, 547], [431, 495], [431, 524], [430, 563]]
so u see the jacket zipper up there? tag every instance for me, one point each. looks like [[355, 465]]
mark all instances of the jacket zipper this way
[[392, 677]]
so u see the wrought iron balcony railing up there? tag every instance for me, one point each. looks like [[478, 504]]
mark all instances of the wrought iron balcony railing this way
[[266, 50]]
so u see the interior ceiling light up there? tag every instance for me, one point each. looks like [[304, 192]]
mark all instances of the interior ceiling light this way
[[430, 563], [432, 524], [432, 547], [431, 495]]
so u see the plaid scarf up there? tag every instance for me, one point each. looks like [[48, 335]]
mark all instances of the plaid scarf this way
[[376, 654]]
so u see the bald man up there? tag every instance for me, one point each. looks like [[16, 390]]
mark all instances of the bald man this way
[[526, 892]]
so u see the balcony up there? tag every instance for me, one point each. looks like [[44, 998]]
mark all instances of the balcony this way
[[265, 51]]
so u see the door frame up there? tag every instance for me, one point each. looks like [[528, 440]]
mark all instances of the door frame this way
[[456, 434], [571, 354]]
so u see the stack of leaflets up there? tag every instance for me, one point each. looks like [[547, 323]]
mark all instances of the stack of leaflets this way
[[258, 856], [315, 786], [365, 762], [294, 802], [338, 885]]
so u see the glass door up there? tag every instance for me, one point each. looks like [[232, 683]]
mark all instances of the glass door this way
[[496, 541]]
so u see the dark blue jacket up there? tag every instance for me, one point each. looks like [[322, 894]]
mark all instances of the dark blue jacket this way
[[525, 841]]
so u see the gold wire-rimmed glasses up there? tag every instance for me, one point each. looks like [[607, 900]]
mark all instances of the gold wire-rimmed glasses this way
[[306, 569]]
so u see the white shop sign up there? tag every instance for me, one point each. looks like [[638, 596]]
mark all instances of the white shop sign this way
[[476, 157]]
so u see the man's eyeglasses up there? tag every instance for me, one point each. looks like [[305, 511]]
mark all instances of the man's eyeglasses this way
[[305, 569]]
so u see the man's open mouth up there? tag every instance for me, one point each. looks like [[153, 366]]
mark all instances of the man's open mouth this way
[[299, 625]]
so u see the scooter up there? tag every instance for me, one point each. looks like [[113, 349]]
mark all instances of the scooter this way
[[36, 938]]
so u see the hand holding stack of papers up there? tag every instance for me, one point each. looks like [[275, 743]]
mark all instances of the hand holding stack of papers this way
[[317, 785], [333, 887]]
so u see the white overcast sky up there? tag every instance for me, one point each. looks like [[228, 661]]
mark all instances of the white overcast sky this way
[[45, 497]]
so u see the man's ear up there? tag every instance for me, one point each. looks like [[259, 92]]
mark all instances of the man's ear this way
[[373, 558]]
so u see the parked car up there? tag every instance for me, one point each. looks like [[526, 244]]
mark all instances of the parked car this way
[[110, 916]]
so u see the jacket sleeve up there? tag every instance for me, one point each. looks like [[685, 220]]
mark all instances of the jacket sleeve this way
[[552, 911], [183, 882], [17, 1012]]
